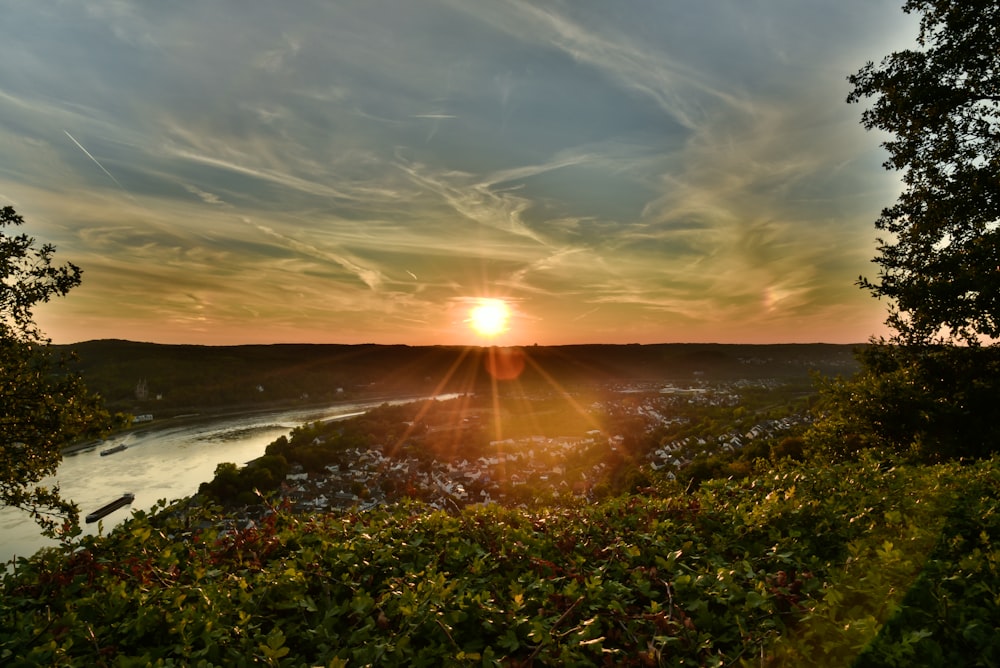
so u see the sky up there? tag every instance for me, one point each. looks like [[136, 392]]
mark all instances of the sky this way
[[363, 171]]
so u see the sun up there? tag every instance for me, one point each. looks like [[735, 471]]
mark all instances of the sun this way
[[489, 317]]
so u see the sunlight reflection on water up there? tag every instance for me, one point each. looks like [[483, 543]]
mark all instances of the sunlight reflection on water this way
[[166, 462]]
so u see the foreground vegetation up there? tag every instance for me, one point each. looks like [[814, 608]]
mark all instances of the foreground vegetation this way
[[824, 563]]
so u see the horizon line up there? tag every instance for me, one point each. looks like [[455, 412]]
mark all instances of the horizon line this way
[[469, 345]]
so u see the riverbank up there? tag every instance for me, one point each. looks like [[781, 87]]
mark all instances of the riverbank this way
[[233, 413], [167, 460]]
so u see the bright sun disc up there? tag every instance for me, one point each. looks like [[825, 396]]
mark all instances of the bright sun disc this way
[[489, 317]]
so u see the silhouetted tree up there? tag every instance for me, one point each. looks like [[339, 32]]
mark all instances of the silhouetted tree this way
[[43, 406], [932, 389], [933, 403], [940, 103]]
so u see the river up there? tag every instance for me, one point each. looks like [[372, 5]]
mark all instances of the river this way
[[163, 462]]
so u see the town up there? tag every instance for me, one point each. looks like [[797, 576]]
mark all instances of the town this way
[[518, 450]]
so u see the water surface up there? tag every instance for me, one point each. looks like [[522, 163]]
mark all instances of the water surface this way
[[165, 462]]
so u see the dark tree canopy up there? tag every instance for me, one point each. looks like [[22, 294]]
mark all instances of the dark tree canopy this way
[[27, 278], [43, 406], [933, 403], [932, 390], [940, 263]]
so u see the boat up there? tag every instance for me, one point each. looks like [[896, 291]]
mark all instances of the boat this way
[[111, 451], [107, 509]]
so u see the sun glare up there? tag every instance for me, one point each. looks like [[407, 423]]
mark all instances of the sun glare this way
[[489, 317]]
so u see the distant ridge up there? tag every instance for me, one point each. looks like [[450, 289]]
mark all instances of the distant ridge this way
[[177, 378]]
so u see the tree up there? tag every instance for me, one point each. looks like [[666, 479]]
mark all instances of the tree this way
[[934, 403], [43, 406], [941, 104], [932, 389]]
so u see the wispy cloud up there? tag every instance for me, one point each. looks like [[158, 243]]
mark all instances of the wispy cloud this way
[[206, 197], [666, 171], [475, 202], [370, 277]]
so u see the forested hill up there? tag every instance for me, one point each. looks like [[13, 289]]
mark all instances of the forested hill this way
[[176, 378]]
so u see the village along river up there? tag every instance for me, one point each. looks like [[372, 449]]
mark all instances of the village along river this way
[[167, 461]]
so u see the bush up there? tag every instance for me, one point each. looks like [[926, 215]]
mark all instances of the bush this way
[[791, 566], [789, 448]]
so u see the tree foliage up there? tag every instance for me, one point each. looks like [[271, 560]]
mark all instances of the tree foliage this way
[[933, 391], [245, 486], [42, 406], [933, 403], [940, 103], [27, 278]]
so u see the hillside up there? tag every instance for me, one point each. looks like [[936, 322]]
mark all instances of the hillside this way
[[861, 562], [182, 378]]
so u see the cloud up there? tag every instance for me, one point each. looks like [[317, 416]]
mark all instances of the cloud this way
[[475, 202], [370, 277], [206, 197], [277, 59], [673, 171]]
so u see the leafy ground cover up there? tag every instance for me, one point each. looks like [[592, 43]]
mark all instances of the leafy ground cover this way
[[858, 562]]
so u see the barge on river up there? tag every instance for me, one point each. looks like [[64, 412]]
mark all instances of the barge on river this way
[[111, 451], [107, 509]]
